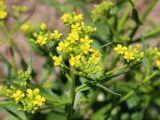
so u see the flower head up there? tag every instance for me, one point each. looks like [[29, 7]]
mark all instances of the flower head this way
[[42, 39], [55, 35], [3, 14], [74, 60], [129, 53], [25, 27], [43, 26], [57, 60]]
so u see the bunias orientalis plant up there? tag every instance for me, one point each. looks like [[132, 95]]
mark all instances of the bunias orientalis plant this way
[[76, 54]]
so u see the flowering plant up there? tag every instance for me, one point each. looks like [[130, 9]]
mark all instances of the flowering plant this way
[[101, 68]]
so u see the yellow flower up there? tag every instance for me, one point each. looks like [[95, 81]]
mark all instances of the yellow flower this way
[[86, 47], [29, 93], [73, 36], [3, 14], [74, 60], [57, 60], [120, 49], [56, 35], [39, 101], [129, 56], [66, 17], [86, 40], [25, 27], [63, 46], [158, 63], [95, 57], [36, 91], [43, 26], [18, 96], [78, 18], [42, 39], [76, 27]]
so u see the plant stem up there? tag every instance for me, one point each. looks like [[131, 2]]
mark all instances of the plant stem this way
[[11, 46], [72, 95], [145, 14]]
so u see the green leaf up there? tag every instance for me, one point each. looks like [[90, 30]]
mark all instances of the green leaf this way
[[123, 19], [30, 64], [130, 93], [53, 99], [106, 89], [148, 9], [153, 33], [137, 116], [17, 114], [133, 101], [101, 114], [7, 104]]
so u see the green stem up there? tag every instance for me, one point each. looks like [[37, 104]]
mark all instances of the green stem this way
[[116, 69], [145, 14], [11, 46], [72, 95]]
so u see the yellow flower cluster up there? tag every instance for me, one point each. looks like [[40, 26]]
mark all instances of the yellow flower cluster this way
[[74, 60], [3, 12], [83, 58], [28, 100], [70, 19], [56, 35], [103, 11], [57, 60], [44, 37], [19, 8], [18, 96], [154, 55], [36, 99], [129, 53], [24, 77]]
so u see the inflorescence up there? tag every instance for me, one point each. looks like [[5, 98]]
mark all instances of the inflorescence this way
[[82, 57], [129, 53], [25, 98], [154, 55]]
